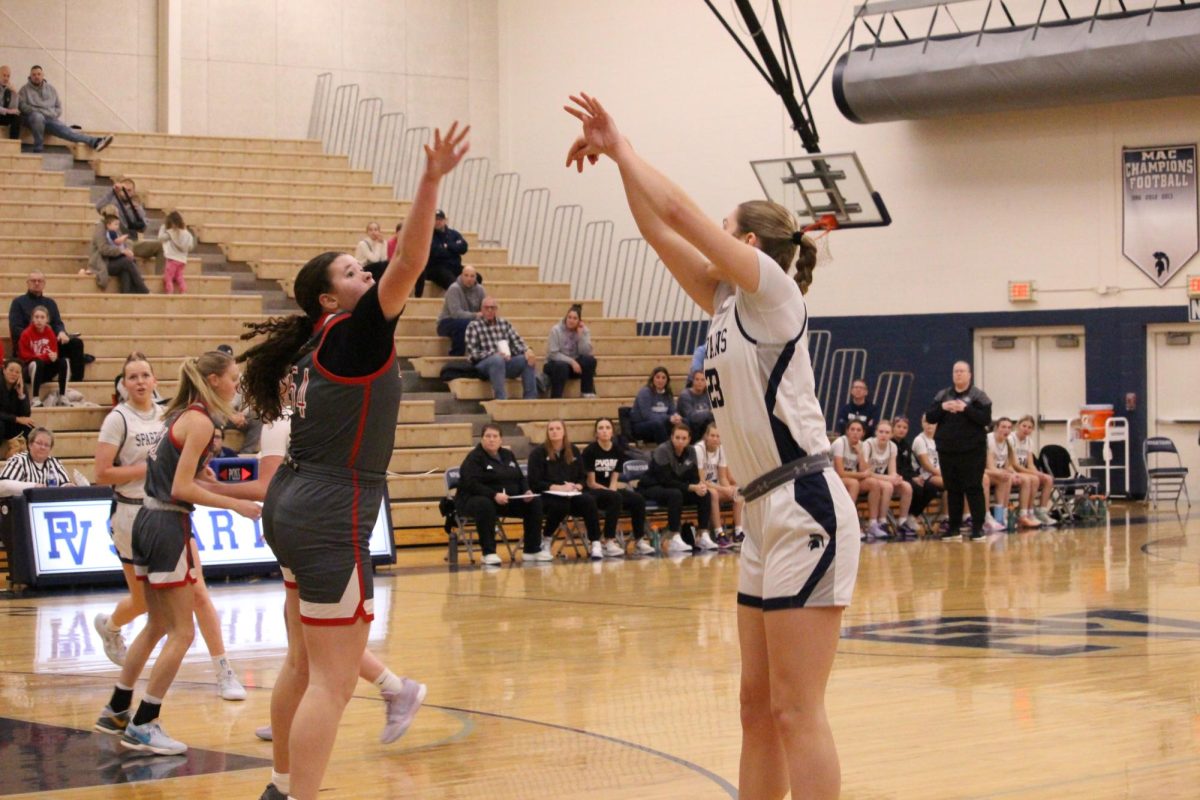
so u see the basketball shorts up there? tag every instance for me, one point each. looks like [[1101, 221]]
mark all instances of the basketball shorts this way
[[801, 546], [161, 555], [120, 525], [320, 531]]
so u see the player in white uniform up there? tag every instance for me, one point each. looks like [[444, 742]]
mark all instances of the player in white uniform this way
[[998, 474], [722, 488], [880, 454], [128, 435], [800, 556], [1020, 444]]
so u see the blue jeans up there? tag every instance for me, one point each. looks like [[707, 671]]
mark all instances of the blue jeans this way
[[495, 369], [39, 125]]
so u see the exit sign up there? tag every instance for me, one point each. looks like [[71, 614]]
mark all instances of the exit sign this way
[[1020, 291], [1193, 285]]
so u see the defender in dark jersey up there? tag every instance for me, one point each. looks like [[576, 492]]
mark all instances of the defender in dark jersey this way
[[322, 503], [162, 557]]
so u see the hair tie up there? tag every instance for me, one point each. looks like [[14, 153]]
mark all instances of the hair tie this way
[[797, 237]]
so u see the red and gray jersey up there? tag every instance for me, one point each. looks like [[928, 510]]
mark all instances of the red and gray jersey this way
[[344, 423], [164, 460]]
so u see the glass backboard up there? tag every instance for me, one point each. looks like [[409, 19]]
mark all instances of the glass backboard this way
[[818, 185]]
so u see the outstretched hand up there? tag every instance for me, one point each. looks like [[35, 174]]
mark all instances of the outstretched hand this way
[[600, 134], [445, 153]]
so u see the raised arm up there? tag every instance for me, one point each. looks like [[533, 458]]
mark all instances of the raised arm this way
[[412, 249]]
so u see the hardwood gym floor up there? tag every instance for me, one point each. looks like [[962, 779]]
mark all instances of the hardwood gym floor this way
[[1060, 664]]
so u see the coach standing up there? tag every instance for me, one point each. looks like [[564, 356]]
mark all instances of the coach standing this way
[[962, 414]]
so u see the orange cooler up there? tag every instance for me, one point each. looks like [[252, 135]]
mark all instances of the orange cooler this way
[[1091, 421]]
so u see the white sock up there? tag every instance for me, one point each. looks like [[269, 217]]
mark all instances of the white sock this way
[[388, 682], [222, 664], [902, 520], [738, 529], [282, 782], [108, 625]]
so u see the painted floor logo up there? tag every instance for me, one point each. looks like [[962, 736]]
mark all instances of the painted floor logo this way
[[1057, 635]]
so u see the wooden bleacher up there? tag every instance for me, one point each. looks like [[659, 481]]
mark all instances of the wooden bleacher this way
[[273, 205]]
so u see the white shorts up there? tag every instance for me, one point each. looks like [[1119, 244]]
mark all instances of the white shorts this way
[[121, 527], [801, 546]]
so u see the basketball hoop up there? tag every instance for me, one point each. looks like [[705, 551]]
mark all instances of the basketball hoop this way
[[818, 233]]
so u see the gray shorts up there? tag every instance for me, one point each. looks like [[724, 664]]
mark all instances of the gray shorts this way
[[320, 531], [120, 526], [161, 555]]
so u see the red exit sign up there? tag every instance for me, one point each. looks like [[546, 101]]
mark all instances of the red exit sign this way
[[1020, 291]]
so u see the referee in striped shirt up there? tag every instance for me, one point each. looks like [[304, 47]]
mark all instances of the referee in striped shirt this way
[[36, 465]]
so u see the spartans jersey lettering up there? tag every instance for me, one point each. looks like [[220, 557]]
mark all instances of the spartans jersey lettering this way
[[759, 376], [135, 434]]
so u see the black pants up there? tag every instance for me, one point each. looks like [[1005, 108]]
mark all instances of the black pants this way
[[45, 371], [923, 495], [581, 505], [441, 274], [612, 503], [456, 331], [72, 351], [673, 500], [654, 430], [963, 474], [485, 511], [560, 372], [13, 123], [127, 272], [10, 429]]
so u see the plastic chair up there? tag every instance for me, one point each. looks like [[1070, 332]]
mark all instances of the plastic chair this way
[[1168, 482], [1072, 491], [463, 524]]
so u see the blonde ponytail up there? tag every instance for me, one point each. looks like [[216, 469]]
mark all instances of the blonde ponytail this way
[[775, 228], [194, 387]]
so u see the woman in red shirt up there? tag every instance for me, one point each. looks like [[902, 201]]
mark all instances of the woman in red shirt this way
[[38, 346]]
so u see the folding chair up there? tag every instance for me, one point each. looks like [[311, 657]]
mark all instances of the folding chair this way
[[634, 470], [1168, 481], [1072, 495], [464, 525]]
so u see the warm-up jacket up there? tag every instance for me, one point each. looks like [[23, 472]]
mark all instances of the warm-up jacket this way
[[672, 471], [964, 432], [544, 471], [484, 476]]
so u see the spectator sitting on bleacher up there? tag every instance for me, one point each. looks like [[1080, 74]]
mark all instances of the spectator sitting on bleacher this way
[[714, 472], [885, 483], [20, 314], [694, 407], [847, 459], [38, 350], [372, 249], [36, 465], [15, 416], [498, 352], [110, 255], [556, 472], [674, 479], [391, 243], [217, 448], [653, 411], [446, 250], [40, 109], [858, 408], [603, 461], [10, 115], [698, 359], [569, 354], [998, 474], [1020, 443], [124, 198], [462, 304], [177, 242], [489, 481]]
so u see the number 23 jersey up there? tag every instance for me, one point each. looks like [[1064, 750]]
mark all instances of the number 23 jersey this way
[[759, 374]]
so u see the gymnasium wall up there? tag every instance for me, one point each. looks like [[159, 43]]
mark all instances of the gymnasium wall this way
[[249, 66], [977, 200], [109, 46]]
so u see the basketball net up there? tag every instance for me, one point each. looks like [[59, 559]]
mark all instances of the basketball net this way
[[818, 233]]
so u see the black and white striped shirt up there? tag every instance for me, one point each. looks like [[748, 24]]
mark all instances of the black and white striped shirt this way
[[22, 468]]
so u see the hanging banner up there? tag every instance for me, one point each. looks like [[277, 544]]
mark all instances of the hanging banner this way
[[1161, 226]]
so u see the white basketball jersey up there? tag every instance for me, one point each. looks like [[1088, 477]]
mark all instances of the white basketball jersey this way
[[847, 452], [998, 451], [880, 459], [1022, 449], [760, 379], [136, 436]]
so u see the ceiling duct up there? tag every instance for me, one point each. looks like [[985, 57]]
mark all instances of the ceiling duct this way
[[1137, 55]]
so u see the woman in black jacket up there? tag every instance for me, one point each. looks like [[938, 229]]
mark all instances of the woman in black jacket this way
[[674, 479], [556, 471], [14, 403], [603, 462], [490, 479], [962, 414]]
